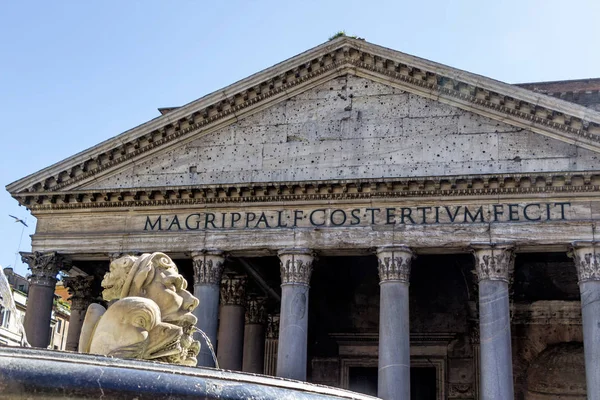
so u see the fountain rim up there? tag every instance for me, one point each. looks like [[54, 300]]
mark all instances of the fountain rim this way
[[196, 372]]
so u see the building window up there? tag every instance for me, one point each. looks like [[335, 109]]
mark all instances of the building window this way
[[58, 326], [4, 317], [22, 288]]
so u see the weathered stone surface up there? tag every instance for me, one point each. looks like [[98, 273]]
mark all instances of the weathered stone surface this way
[[351, 127], [150, 316]]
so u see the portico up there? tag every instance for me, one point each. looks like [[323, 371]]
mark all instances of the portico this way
[[356, 217]]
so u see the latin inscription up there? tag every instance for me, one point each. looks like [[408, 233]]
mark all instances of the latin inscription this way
[[348, 217]]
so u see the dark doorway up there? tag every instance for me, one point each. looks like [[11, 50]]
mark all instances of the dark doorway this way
[[363, 380], [423, 385]]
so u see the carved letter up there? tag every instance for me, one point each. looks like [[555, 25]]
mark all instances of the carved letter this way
[[513, 215], [479, 214], [263, 219], [297, 216], [527, 217], [343, 217], [562, 208], [450, 215], [175, 221], [279, 224], [152, 225], [424, 210], [406, 214], [187, 222], [312, 222], [496, 212], [390, 216], [355, 216], [373, 214], [209, 219], [235, 217], [250, 216]]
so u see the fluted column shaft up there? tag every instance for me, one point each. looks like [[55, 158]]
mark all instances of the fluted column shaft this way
[[271, 344], [80, 289], [42, 284], [208, 268], [230, 346], [296, 269], [494, 262], [394, 325], [254, 335], [587, 261]]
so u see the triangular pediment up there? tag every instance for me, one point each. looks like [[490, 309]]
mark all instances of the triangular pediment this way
[[431, 98]]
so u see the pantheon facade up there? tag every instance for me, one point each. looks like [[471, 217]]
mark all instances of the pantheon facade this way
[[357, 217]]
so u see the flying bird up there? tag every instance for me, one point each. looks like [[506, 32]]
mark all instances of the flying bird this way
[[18, 220]]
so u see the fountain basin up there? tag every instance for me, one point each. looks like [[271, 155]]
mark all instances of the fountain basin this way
[[27, 373]]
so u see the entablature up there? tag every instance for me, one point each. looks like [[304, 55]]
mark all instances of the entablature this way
[[479, 186]]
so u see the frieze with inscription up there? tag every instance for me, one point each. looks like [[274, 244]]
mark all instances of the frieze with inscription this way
[[365, 216]]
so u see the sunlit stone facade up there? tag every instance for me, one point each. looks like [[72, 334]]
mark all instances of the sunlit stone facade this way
[[410, 229]]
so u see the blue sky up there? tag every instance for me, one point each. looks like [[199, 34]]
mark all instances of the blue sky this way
[[75, 73]]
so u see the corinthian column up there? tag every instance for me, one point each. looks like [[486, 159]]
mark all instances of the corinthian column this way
[[42, 283], [208, 268], [231, 328], [587, 261], [296, 269], [80, 289], [254, 335], [394, 325], [494, 263]]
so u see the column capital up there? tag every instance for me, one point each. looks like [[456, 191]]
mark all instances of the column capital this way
[[208, 266], [256, 312], [394, 263], [233, 290], [44, 267], [586, 255], [273, 326], [80, 288], [296, 266], [494, 261]]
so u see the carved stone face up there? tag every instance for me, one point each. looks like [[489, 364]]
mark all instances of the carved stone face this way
[[155, 277], [168, 290]]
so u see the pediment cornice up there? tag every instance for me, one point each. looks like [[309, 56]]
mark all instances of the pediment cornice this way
[[542, 114], [480, 187]]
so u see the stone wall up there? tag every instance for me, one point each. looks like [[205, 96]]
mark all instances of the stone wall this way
[[352, 127]]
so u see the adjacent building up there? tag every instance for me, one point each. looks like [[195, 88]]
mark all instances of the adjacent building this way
[[357, 217], [10, 333]]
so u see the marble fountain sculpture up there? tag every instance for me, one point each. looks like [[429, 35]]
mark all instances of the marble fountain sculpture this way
[[150, 316], [141, 347]]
